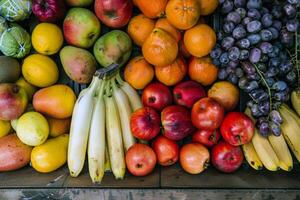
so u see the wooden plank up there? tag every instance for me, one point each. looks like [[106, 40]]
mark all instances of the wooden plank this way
[[149, 194], [84, 180], [175, 177]]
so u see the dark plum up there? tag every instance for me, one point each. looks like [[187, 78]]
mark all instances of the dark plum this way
[[228, 27], [254, 14], [292, 25], [227, 43], [277, 24], [254, 38], [224, 58], [275, 32], [290, 10], [255, 55], [234, 17], [244, 55], [246, 20], [242, 12], [234, 53], [266, 47], [267, 20], [240, 3], [222, 74], [227, 6], [257, 4], [239, 32], [266, 35], [243, 43]]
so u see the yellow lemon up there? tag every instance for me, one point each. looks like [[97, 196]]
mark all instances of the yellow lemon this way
[[40, 70], [32, 128], [30, 89], [47, 38], [4, 128]]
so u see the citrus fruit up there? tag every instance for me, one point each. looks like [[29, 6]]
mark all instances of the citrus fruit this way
[[138, 72], [47, 38], [164, 24], [200, 40], [173, 73], [40, 70], [207, 7], [203, 70]]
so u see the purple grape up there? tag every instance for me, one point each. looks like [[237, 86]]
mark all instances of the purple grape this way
[[262, 67], [216, 62], [270, 81], [240, 3], [295, 2], [216, 52], [276, 117], [243, 43], [250, 104], [246, 20], [287, 38], [222, 74], [243, 82], [234, 17], [230, 70], [272, 71], [220, 36], [266, 35], [274, 53], [257, 4], [252, 85], [263, 97], [290, 10], [233, 64], [256, 93], [224, 58], [227, 6], [275, 33], [227, 43], [239, 32], [253, 77], [264, 10], [266, 47], [285, 67], [291, 77], [281, 96], [255, 55], [274, 62], [254, 14], [275, 129], [242, 12], [279, 86], [244, 55], [276, 11], [248, 67], [264, 129], [255, 111], [228, 27], [254, 26], [239, 72], [254, 38], [264, 107], [234, 53], [267, 20], [292, 25], [264, 58], [277, 24]]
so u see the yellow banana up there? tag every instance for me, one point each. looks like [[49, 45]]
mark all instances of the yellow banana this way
[[251, 156], [295, 98]]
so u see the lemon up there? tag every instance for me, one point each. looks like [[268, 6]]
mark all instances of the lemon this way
[[40, 70], [32, 128], [47, 38], [4, 128], [30, 89]]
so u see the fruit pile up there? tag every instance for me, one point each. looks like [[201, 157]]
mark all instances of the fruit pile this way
[[159, 86]]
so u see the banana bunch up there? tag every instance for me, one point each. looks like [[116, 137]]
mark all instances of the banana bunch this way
[[100, 127], [295, 99], [272, 152]]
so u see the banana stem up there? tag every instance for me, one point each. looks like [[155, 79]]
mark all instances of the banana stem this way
[[119, 79]]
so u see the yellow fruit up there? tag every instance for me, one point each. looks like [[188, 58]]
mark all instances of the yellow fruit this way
[[32, 128], [51, 155], [40, 70], [29, 89], [4, 128], [47, 38]]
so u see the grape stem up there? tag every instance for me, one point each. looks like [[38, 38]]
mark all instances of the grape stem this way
[[266, 84]]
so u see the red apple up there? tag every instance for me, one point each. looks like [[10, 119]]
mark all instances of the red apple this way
[[177, 123], [207, 137], [13, 101], [187, 93], [166, 150], [237, 128], [194, 158], [145, 123], [48, 10], [114, 13], [207, 114], [157, 96], [226, 157], [140, 160]]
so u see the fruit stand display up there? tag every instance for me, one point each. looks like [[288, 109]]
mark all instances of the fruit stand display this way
[[171, 94]]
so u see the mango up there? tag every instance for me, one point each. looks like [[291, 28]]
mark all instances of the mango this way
[[79, 64], [51, 155], [56, 101], [5, 128], [29, 89], [58, 126], [10, 69]]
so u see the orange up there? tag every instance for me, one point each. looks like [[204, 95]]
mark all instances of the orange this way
[[58, 127], [200, 40], [139, 28], [164, 24], [153, 8], [160, 48], [207, 7], [173, 73], [203, 70], [183, 51], [138, 72]]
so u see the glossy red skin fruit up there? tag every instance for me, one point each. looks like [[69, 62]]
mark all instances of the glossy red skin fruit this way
[[48, 10], [207, 137]]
